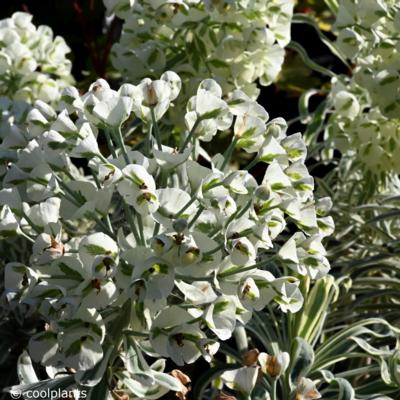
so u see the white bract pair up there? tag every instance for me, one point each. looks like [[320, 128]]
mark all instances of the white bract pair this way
[[154, 246]]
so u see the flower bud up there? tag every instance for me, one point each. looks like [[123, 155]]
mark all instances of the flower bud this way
[[180, 225], [263, 192], [274, 130], [127, 89], [154, 92], [100, 89]]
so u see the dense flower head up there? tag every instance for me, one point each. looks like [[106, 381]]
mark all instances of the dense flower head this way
[[236, 41], [361, 131], [368, 36], [148, 241], [33, 63], [365, 108]]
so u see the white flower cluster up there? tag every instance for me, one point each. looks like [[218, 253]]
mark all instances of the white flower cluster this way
[[361, 131], [145, 246], [33, 64], [366, 106], [368, 36], [236, 41]]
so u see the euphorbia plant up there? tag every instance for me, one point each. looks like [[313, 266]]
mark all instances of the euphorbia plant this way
[[157, 251]]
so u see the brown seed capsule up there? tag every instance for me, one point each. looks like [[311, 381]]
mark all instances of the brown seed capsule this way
[[183, 378], [120, 395], [273, 367], [250, 357], [224, 396]]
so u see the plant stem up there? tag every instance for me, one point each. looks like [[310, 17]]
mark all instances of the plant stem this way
[[193, 278], [141, 231], [194, 219], [273, 389], [148, 141], [130, 332], [189, 137], [102, 158], [131, 222], [252, 163], [228, 153], [237, 270], [110, 144], [32, 225], [26, 236], [156, 129], [191, 201], [121, 144], [214, 250]]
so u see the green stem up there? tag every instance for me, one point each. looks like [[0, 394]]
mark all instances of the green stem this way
[[237, 270], [107, 216], [252, 163], [199, 211], [108, 223], [121, 144], [148, 140], [32, 224], [191, 201], [130, 332], [193, 278], [102, 158], [228, 153], [214, 250], [110, 144], [190, 136], [273, 389], [131, 222], [74, 199], [99, 222], [26, 236], [141, 231], [156, 129], [156, 229]]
